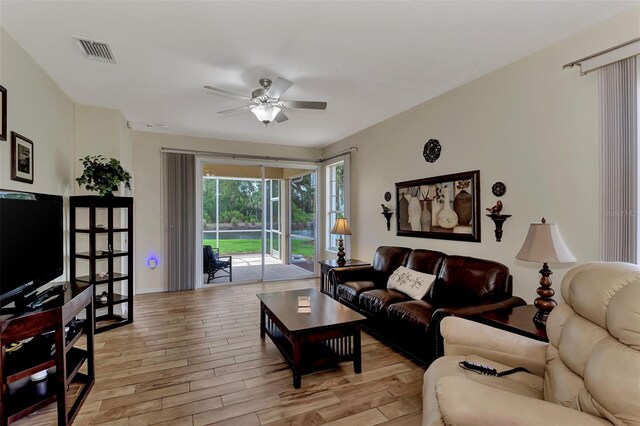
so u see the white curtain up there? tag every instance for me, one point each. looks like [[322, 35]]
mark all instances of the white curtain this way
[[180, 205], [618, 109]]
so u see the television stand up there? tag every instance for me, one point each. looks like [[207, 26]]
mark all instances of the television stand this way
[[35, 300], [71, 362], [43, 296]]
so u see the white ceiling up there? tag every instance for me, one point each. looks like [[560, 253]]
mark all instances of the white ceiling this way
[[368, 60]]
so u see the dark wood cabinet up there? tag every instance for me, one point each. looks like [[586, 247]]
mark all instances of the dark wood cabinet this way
[[99, 224], [42, 332]]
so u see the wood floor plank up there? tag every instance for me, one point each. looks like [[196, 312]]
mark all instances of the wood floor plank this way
[[196, 358], [356, 405], [246, 420], [293, 406], [138, 397], [235, 410], [206, 393], [370, 417], [173, 413], [402, 407]]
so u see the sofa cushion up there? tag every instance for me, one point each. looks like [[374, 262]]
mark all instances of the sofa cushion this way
[[412, 283], [350, 290], [466, 280], [415, 313], [427, 261], [376, 301], [387, 259]]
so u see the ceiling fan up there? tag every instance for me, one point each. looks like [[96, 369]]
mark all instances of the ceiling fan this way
[[265, 103]]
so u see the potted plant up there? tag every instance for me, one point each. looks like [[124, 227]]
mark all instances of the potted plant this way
[[103, 175]]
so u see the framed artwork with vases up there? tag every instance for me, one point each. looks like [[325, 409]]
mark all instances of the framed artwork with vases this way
[[444, 207]]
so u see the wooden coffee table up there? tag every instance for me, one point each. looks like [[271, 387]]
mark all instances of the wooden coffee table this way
[[312, 341]]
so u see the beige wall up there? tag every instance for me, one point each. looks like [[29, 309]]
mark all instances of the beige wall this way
[[147, 157], [531, 125], [102, 131], [38, 110]]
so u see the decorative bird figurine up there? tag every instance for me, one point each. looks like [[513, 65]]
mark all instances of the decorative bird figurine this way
[[496, 209], [385, 209]]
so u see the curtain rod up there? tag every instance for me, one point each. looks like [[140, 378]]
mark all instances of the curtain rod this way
[[602, 52], [257, 157]]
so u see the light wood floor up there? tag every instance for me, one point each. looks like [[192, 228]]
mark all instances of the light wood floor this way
[[196, 358]]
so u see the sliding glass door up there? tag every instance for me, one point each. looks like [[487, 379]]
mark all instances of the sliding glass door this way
[[262, 219], [302, 223]]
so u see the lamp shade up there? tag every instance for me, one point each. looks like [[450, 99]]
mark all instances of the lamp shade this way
[[265, 112], [341, 227], [545, 244]]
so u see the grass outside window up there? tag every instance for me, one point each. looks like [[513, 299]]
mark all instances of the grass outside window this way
[[305, 248]]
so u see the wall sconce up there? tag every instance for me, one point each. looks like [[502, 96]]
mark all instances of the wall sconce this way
[[498, 219], [387, 213]]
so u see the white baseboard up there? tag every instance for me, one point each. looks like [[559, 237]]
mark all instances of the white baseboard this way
[[150, 290]]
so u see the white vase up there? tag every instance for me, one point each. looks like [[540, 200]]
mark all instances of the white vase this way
[[414, 214], [435, 208], [447, 218]]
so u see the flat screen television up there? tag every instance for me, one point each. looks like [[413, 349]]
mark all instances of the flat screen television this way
[[31, 243]]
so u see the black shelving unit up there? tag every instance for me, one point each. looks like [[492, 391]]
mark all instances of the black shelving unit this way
[[106, 316]]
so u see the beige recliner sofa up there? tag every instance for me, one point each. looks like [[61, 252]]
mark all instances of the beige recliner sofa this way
[[588, 373]]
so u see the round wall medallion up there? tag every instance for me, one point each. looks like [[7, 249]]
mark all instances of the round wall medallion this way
[[432, 150], [387, 196], [499, 189]]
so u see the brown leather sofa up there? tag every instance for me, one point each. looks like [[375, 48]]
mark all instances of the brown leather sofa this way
[[464, 286]]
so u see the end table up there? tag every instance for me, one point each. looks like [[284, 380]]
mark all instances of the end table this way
[[326, 265], [518, 320]]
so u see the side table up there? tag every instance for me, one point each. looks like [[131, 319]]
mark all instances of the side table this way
[[326, 265], [518, 320]]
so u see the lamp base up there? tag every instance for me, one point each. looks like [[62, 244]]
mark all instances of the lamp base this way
[[540, 319], [341, 260], [544, 303]]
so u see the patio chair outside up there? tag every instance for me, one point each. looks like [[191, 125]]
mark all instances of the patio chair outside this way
[[214, 264]]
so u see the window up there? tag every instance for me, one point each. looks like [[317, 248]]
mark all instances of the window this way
[[335, 201]]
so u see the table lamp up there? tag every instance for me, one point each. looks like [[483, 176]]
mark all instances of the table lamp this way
[[544, 244], [341, 227]]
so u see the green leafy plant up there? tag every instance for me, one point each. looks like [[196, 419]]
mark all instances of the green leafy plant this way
[[103, 175]]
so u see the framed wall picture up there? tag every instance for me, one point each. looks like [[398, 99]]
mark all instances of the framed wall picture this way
[[3, 114], [21, 158], [444, 207]]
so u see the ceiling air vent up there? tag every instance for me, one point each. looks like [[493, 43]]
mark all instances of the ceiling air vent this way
[[96, 50]]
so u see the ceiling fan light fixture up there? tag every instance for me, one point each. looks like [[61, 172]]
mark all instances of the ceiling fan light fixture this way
[[265, 112]]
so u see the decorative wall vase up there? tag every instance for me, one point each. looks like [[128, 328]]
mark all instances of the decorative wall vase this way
[[425, 216], [462, 205], [403, 212], [414, 214], [447, 218], [435, 209]]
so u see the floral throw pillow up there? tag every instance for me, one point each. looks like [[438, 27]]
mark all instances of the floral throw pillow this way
[[412, 283]]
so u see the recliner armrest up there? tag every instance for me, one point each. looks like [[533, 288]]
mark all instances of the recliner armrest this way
[[464, 402], [465, 337], [463, 311]]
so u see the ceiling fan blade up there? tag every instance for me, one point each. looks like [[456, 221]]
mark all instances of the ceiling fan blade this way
[[227, 111], [305, 104], [280, 117], [278, 87], [227, 93]]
